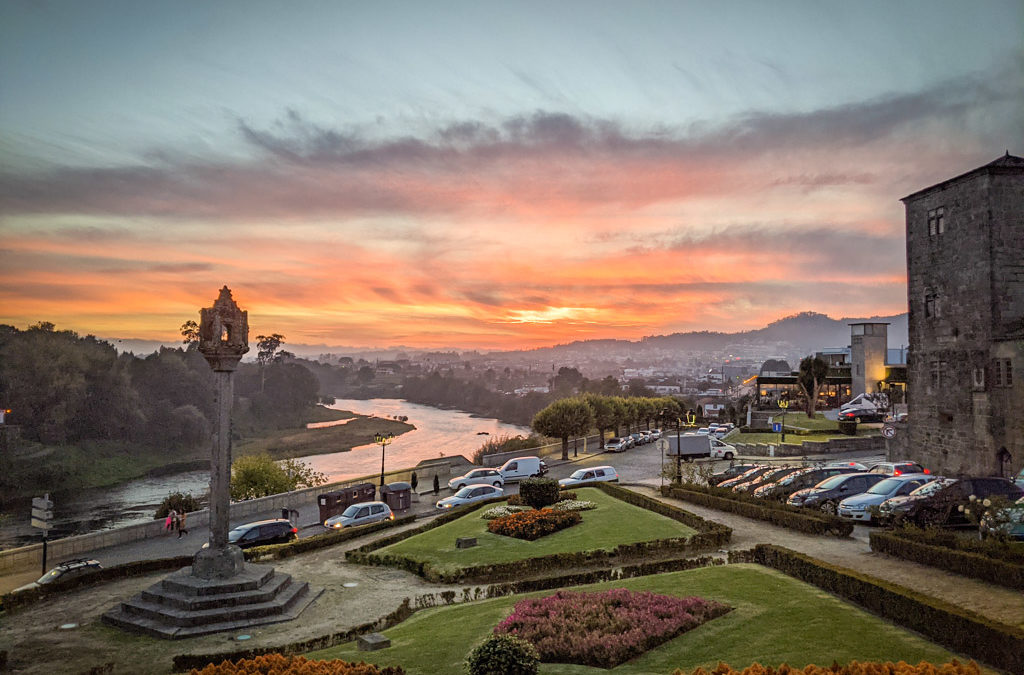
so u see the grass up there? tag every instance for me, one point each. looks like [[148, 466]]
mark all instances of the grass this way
[[776, 619], [613, 522]]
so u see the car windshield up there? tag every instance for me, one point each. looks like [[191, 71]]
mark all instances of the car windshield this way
[[933, 487], [792, 477], [830, 483], [237, 533], [351, 511], [885, 487], [578, 474], [465, 492], [52, 575]]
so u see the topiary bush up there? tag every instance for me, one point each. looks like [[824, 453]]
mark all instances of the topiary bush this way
[[503, 655], [539, 492], [180, 502]]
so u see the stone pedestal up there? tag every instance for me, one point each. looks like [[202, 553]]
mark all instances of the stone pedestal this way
[[223, 563]]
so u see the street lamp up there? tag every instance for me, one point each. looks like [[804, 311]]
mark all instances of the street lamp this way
[[784, 404], [384, 440]]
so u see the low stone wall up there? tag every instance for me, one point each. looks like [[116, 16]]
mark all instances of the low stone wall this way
[[831, 446], [27, 557]]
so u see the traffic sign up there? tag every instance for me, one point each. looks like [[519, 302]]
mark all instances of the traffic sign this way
[[41, 524], [888, 431], [776, 427], [42, 512], [663, 445]]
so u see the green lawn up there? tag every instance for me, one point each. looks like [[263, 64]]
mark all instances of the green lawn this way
[[613, 522], [775, 619]]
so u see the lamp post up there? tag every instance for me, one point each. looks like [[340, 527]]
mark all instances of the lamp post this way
[[384, 440], [784, 404]]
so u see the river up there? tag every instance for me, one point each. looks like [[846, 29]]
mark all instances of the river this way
[[437, 432]]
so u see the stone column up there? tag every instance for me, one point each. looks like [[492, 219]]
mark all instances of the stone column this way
[[223, 339]]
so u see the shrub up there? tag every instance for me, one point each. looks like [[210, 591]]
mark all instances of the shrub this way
[[538, 492], [515, 500], [852, 668], [180, 502], [564, 495], [606, 628], [503, 655], [531, 525], [278, 664], [985, 560], [505, 443]]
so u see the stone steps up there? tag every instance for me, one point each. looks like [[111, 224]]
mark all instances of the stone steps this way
[[185, 606]]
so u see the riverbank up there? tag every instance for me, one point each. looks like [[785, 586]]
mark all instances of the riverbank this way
[[69, 469]]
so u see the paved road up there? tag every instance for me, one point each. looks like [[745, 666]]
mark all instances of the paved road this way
[[639, 465]]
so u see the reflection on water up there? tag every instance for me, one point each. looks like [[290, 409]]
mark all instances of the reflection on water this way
[[332, 423], [447, 432], [437, 433]]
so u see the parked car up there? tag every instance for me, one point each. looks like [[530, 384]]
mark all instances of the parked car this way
[[1008, 522], [862, 507], [69, 569], [776, 474], [898, 468], [469, 495], [596, 474], [861, 415], [492, 476], [721, 450], [896, 507], [1019, 478], [615, 444], [638, 438], [363, 513], [655, 434], [703, 431], [729, 473], [749, 475], [942, 508], [629, 442], [262, 533], [827, 494], [798, 480], [522, 467]]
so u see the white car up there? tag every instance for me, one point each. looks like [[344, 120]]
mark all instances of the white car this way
[[469, 495], [703, 431], [655, 434], [492, 476], [597, 473], [615, 444], [362, 513]]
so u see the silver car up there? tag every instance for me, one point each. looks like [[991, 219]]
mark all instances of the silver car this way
[[363, 513], [469, 495], [861, 507], [477, 476]]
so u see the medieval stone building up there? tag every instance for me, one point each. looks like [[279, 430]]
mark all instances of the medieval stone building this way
[[965, 279]]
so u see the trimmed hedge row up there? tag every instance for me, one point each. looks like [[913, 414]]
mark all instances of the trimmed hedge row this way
[[851, 668], [710, 536], [13, 601], [184, 662], [957, 629], [1010, 552], [319, 541], [906, 545], [770, 511]]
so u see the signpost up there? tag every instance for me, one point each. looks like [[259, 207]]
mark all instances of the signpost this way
[[888, 431], [42, 514]]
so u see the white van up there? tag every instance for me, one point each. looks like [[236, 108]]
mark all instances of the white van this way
[[519, 468]]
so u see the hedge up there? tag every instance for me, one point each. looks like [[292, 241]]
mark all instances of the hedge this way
[[1010, 552], [319, 541], [852, 668], [957, 629], [770, 511], [908, 545]]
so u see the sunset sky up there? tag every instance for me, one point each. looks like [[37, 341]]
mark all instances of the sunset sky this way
[[483, 174]]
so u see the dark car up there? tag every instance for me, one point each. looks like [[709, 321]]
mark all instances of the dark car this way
[[744, 477], [861, 415], [799, 480], [827, 494], [898, 468], [68, 569], [943, 507], [261, 533], [732, 472], [772, 476]]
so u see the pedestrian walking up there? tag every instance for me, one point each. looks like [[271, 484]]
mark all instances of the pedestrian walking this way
[[169, 523], [175, 520], [181, 525]]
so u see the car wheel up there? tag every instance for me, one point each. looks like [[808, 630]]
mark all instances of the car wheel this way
[[829, 508], [496, 484], [459, 486], [728, 455]]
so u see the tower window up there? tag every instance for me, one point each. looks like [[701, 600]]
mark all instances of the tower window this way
[[931, 305], [1003, 373], [936, 221]]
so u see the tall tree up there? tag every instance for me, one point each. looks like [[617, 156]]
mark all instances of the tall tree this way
[[189, 332], [811, 378], [562, 419], [606, 411], [266, 346]]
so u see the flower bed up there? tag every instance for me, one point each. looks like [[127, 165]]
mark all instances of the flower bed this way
[[607, 628], [502, 511], [277, 664], [531, 525], [573, 505], [852, 668]]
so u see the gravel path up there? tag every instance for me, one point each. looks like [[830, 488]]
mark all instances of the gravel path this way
[[37, 645]]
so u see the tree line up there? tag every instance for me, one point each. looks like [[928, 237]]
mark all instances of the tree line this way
[[67, 390]]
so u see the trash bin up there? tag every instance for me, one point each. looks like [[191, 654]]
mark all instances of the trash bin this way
[[397, 495], [333, 503]]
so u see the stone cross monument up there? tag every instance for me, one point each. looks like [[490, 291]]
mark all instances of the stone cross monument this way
[[223, 339]]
